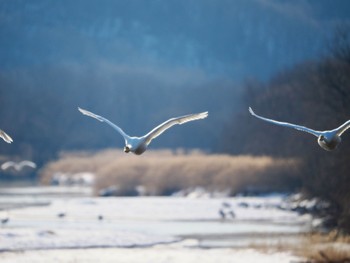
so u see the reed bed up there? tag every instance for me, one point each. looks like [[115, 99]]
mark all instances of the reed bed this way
[[162, 172]]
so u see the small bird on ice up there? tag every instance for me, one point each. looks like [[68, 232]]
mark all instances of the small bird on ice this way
[[138, 145], [5, 137], [5, 218], [328, 140]]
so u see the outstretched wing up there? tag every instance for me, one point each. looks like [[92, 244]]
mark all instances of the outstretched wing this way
[[169, 123], [102, 119], [342, 128], [286, 124], [27, 163], [7, 165], [5, 137]]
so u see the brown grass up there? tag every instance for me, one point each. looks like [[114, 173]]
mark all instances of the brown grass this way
[[313, 247], [329, 247], [164, 171]]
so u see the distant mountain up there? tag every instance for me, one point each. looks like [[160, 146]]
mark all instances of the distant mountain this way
[[235, 38]]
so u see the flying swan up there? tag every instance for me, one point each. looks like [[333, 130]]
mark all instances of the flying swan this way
[[138, 145], [328, 140], [5, 137], [18, 166]]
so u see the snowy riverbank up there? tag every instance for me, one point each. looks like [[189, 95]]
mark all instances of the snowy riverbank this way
[[161, 229]]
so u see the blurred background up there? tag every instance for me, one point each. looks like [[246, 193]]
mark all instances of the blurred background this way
[[139, 63]]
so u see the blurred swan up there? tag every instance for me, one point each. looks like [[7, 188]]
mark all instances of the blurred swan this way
[[138, 145], [17, 166], [4, 221], [5, 137], [4, 218], [222, 214], [61, 215], [328, 140], [226, 210]]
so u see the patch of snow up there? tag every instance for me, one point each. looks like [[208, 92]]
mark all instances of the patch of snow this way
[[158, 254], [31, 239]]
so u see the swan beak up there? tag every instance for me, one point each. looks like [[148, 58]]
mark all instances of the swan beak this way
[[126, 149]]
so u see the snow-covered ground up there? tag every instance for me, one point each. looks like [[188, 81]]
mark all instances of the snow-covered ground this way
[[157, 254], [158, 229]]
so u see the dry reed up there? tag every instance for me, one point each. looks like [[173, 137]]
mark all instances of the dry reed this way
[[163, 171]]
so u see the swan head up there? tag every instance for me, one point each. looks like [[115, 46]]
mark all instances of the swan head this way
[[127, 149], [322, 139]]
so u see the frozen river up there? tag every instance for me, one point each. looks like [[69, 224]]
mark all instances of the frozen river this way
[[55, 222]]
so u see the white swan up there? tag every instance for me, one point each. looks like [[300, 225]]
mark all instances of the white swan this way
[[17, 166], [328, 140], [5, 137], [138, 145]]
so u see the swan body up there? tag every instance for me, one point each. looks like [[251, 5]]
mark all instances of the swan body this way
[[328, 140], [138, 145]]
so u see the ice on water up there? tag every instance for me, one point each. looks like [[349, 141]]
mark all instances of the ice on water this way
[[140, 221]]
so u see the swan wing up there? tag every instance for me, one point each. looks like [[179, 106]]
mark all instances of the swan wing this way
[[342, 128], [102, 119], [171, 122], [5, 137], [7, 165], [286, 124], [27, 163]]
